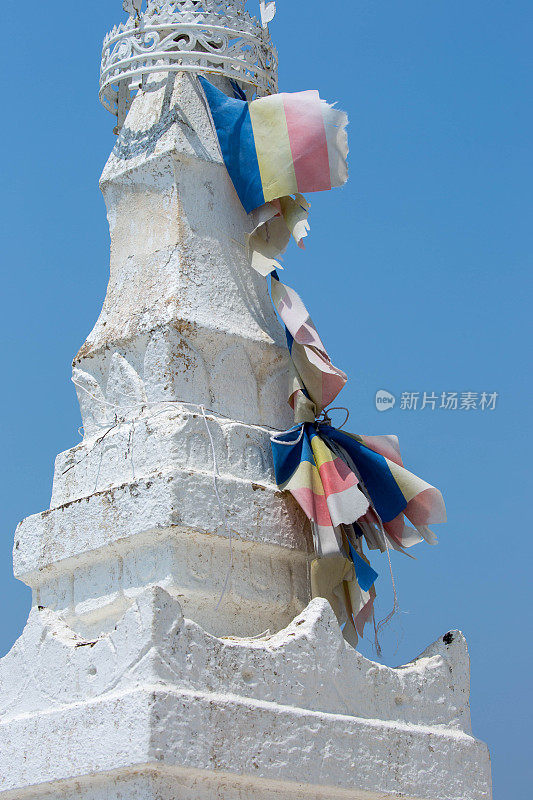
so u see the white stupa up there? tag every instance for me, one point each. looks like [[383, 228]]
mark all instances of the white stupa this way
[[167, 547]]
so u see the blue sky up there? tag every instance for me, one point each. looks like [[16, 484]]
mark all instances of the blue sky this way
[[417, 274]]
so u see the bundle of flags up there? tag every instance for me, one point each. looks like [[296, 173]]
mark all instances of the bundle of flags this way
[[352, 488]]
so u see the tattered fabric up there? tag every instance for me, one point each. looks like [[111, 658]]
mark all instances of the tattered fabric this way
[[314, 381], [280, 145], [273, 225], [354, 487]]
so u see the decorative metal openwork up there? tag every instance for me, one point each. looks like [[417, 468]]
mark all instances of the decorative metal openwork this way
[[208, 36]]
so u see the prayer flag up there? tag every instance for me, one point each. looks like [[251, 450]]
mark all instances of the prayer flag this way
[[279, 145]]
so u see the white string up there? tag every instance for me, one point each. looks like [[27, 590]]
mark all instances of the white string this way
[[276, 440], [396, 605], [265, 635], [141, 405], [100, 399], [216, 473], [223, 513], [98, 441]]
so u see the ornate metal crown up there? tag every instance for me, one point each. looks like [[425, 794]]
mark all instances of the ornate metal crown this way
[[185, 36]]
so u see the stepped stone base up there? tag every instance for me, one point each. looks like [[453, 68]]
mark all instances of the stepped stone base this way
[[158, 708], [140, 509]]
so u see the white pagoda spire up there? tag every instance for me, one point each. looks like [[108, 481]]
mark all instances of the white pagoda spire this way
[[172, 651], [186, 324]]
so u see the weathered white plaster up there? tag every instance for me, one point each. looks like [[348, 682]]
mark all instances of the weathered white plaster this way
[[139, 507], [186, 323], [180, 273], [161, 697], [130, 679]]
